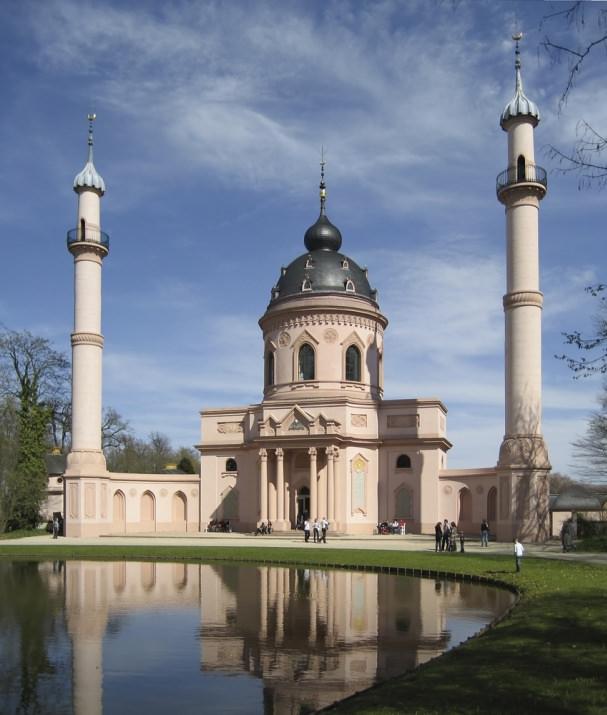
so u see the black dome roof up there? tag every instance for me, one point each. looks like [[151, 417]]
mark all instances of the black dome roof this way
[[323, 271]]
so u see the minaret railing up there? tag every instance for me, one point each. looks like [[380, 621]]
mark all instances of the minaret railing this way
[[529, 174], [88, 235]]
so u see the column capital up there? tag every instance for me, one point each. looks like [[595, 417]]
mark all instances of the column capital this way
[[330, 452], [263, 454], [279, 452], [312, 451]]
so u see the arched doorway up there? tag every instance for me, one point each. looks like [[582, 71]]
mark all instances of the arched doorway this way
[[492, 505], [118, 513], [180, 512], [303, 504], [465, 506], [148, 512]]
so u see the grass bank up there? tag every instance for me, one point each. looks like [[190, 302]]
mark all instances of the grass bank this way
[[548, 656], [21, 534]]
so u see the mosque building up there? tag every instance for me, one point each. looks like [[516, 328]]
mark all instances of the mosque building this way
[[323, 442]]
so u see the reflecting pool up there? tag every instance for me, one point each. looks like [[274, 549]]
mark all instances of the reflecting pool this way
[[90, 637]]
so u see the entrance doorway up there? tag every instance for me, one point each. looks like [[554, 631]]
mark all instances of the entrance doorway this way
[[303, 504]]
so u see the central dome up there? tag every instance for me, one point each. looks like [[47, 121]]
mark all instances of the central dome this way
[[323, 270]]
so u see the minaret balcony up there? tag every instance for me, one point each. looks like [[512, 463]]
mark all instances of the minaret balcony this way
[[88, 235], [531, 175]]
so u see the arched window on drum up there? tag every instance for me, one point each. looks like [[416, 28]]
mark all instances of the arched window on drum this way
[[353, 364], [306, 362]]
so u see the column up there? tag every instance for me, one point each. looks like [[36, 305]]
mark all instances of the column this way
[[287, 512], [336, 491], [280, 488], [330, 487], [313, 484], [263, 485], [322, 493]]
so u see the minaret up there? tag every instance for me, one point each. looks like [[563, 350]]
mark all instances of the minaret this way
[[89, 245], [523, 464]]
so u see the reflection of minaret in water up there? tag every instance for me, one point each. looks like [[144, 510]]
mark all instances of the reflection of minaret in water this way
[[86, 612], [523, 459]]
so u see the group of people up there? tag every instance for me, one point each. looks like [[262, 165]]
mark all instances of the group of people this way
[[446, 536], [264, 529], [220, 525], [397, 526], [319, 528]]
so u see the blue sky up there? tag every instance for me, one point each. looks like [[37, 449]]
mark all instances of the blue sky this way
[[211, 116]]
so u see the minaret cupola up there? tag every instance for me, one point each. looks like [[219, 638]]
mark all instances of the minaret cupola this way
[[89, 177], [520, 105]]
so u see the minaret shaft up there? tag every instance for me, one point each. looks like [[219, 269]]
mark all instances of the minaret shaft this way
[[523, 318], [523, 462], [89, 246]]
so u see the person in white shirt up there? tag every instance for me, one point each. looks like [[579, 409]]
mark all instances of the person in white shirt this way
[[519, 550], [307, 530], [316, 529], [324, 525]]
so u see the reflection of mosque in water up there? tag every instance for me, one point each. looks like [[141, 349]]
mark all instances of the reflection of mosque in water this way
[[312, 636]]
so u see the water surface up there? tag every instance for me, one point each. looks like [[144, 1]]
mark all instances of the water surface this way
[[98, 637]]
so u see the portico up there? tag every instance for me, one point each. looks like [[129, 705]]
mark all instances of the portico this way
[[297, 483]]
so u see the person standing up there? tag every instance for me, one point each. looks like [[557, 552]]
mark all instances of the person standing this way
[[324, 527], [55, 527], [519, 550], [438, 536], [453, 537], [484, 533], [316, 529], [444, 546], [306, 529]]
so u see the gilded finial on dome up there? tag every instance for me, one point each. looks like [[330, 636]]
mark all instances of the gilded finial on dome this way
[[89, 177], [323, 187]]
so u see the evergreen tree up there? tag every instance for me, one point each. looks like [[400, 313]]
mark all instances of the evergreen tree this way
[[35, 376]]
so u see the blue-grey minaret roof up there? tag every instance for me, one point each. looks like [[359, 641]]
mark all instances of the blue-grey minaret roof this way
[[520, 105], [89, 177]]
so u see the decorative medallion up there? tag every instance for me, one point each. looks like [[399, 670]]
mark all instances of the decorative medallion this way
[[358, 420], [447, 490], [330, 335], [284, 339], [163, 492], [194, 492], [229, 427], [133, 492]]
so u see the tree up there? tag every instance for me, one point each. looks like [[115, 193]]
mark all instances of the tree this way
[[149, 456], [9, 440], [589, 23], [591, 449], [114, 428], [34, 375], [595, 345]]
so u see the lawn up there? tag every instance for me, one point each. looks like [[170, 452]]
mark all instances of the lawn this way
[[549, 655]]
